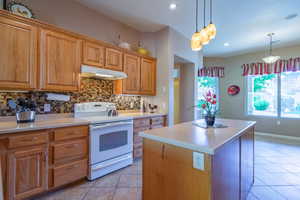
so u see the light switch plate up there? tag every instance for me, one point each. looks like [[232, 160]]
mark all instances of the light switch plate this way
[[198, 161], [47, 108]]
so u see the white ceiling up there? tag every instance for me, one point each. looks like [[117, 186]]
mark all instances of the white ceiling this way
[[244, 24]]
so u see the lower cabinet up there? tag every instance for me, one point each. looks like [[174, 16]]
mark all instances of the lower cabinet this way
[[27, 172], [144, 124], [39, 161]]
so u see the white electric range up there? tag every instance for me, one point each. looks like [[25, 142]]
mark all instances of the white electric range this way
[[111, 138]]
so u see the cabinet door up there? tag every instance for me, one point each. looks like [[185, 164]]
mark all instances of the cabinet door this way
[[114, 59], [60, 58], [93, 54], [132, 67], [148, 77], [27, 172], [18, 55]]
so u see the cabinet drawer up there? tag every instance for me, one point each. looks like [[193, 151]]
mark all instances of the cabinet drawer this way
[[70, 133], [141, 122], [70, 172], [27, 139], [140, 129], [69, 150], [157, 120], [157, 126], [138, 153], [137, 140]]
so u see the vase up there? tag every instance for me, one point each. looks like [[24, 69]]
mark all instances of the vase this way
[[210, 120]]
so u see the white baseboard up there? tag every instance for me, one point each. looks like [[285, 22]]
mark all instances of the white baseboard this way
[[278, 136]]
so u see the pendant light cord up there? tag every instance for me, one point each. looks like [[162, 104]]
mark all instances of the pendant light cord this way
[[211, 11], [197, 15], [204, 12]]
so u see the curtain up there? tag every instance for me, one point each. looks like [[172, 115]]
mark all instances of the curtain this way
[[211, 72], [290, 65]]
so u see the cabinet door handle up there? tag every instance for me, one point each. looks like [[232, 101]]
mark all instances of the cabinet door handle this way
[[163, 151]]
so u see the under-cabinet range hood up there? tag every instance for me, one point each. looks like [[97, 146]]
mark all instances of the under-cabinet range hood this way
[[99, 73]]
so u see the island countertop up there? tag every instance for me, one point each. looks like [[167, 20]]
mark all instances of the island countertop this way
[[189, 136]]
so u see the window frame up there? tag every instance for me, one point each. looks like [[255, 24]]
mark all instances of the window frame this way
[[279, 104]]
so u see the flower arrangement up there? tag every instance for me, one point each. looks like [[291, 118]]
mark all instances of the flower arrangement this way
[[209, 105]]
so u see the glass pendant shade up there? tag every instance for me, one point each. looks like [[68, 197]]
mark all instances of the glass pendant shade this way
[[271, 59], [196, 44], [204, 36], [212, 31]]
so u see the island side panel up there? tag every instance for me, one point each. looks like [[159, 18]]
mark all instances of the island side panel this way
[[168, 173], [226, 172], [247, 162]]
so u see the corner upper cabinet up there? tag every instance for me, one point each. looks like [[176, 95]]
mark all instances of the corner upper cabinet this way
[[148, 77], [114, 59], [60, 61], [18, 55], [93, 54]]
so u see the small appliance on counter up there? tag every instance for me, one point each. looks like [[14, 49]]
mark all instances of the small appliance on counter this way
[[25, 110], [153, 108], [111, 137]]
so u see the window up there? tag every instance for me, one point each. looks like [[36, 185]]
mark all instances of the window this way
[[274, 95], [262, 95], [290, 94], [206, 84]]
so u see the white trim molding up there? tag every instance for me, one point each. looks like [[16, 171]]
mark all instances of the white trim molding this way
[[278, 136]]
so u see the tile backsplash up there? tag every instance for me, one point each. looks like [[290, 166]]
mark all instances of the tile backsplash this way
[[91, 90]]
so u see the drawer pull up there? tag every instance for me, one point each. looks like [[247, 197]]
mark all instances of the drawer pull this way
[[72, 146], [72, 167]]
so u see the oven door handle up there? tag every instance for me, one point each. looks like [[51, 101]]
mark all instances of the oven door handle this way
[[111, 125], [101, 166]]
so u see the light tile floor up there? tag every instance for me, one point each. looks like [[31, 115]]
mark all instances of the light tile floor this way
[[277, 177]]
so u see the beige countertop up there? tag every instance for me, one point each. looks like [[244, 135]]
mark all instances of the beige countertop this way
[[9, 125], [189, 136]]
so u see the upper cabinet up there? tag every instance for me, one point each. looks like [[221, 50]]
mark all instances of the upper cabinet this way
[[141, 78], [18, 55], [114, 59], [148, 77], [60, 61], [93, 54]]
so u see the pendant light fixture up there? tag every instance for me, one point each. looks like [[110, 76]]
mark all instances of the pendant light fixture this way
[[211, 28], [204, 32], [271, 59], [196, 43]]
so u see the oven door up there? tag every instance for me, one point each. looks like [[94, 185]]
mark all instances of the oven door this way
[[110, 140]]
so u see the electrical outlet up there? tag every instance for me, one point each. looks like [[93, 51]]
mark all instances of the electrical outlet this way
[[47, 108], [198, 161]]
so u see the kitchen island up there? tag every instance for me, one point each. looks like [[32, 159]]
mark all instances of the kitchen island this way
[[186, 162]]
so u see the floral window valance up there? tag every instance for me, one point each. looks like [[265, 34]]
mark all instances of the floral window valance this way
[[211, 72], [290, 65]]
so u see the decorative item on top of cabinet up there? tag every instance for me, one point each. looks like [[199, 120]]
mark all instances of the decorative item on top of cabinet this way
[[148, 77], [60, 61], [20, 9], [130, 85], [93, 54], [18, 55], [114, 59]]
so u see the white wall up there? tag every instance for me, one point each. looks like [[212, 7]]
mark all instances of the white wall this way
[[234, 107]]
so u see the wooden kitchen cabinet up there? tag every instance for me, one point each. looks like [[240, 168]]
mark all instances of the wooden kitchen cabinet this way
[[143, 124], [60, 61], [93, 54], [114, 59], [141, 78], [18, 55], [27, 172], [148, 77], [130, 85]]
